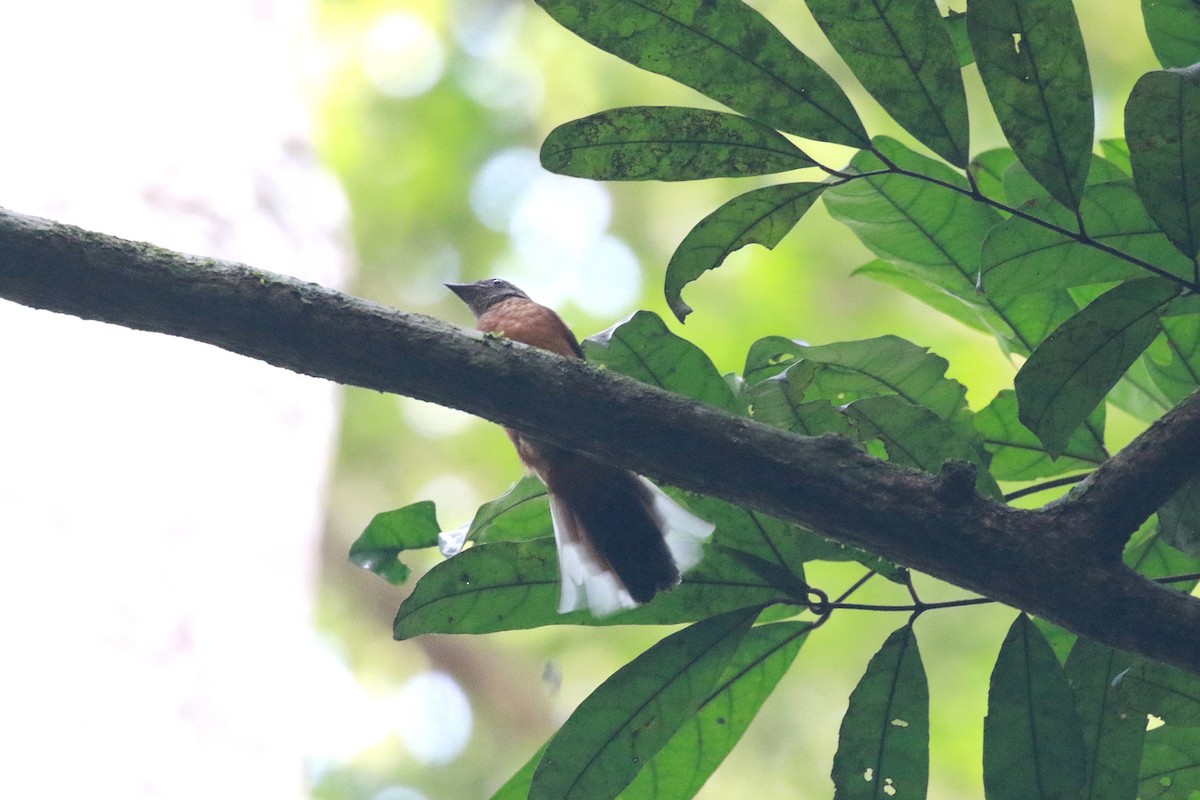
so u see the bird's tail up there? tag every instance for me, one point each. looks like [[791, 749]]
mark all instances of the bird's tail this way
[[620, 538]]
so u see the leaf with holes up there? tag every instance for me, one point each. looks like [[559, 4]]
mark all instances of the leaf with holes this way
[[1072, 371], [1031, 57], [723, 49], [883, 745], [1162, 127], [1170, 694], [392, 532], [665, 143], [622, 725], [1032, 736], [1170, 764], [763, 216]]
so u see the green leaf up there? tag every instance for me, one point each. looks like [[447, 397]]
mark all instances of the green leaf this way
[[988, 169], [642, 348], [723, 49], [779, 402], [682, 766], [502, 586], [1170, 694], [1020, 256], [1017, 455], [770, 356], [627, 720], [517, 787], [970, 314], [665, 143], [1174, 30], [763, 216], [1170, 764], [1112, 738], [883, 744], [956, 27], [1116, 152], [1138, 395], [1071, 372], [1162, 126], [1179, 519], [916, 437], [1032, 740], [884, 365], [1031, 58], [522, 512], [392, 532], [1173, 359], [933, 233], [902, 54], [1147, 554]]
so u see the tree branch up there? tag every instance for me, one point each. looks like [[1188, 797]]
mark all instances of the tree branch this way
[[1059, 563]]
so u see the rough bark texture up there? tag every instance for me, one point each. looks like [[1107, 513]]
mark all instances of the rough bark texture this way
[[1062, 562]]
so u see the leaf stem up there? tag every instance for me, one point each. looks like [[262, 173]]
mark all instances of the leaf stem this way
[[1041, 487]]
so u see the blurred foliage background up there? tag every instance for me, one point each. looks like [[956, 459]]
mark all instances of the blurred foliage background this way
[[431, 112]]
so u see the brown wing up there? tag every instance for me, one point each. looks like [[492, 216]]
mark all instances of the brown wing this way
[[525, 321]]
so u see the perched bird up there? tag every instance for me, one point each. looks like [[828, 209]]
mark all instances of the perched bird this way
[[620, 539]]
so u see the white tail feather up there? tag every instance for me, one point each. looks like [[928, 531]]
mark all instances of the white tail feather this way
[[587, 583], [584, 581]]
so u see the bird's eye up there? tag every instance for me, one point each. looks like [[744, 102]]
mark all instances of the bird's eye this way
[[497, 282]]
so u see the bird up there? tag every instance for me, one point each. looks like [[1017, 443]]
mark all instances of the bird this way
[[620, 539]]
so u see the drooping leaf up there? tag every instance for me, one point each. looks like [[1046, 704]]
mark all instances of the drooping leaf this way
[[1017, 455], [666, 143], [683, 765], [523, 512], [1112, 737], [1020, 256], [642, 347], [1170, 694], [503, 586], [1033, 64], [1179, 519], [1174, 30], [1072, 371], [392, 532], [1032, 738], [883, 745], [627, 720], [1173, 359], [971, 314], [763, 216], [933, 233], [902, 54], [725, 50], [1170, 764], [1162, 126]]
